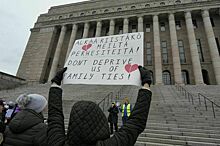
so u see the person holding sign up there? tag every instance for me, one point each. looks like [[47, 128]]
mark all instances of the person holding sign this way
[[88, 125]]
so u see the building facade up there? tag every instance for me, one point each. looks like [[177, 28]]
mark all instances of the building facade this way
[[181, 37]]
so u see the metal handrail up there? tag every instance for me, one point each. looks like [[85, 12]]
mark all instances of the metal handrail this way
[[190, 96], [109, 97]]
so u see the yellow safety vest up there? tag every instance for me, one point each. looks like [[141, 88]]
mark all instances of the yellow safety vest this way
[[128, 110]]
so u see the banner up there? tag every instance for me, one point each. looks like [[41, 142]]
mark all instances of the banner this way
[[110, 60]]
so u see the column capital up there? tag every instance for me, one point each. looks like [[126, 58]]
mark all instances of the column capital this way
[[156, 14], [188, 15], [99, 23], [140, 19], [63, 28], [155, 17], [171, 16], [112, 22], [126, 21], [205, 13]]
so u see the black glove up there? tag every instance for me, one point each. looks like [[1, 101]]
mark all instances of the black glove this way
[[145, 75], [59, 76]]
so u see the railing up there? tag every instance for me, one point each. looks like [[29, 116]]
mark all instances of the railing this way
[[108, 99], [191, 99]]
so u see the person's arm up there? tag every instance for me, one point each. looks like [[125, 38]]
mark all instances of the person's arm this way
[[56, 129], [127, 135]]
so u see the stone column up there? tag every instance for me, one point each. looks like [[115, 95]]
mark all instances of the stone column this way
[[57, 53], [112, 27], [175, 50], [193, 49], [140, 24], [125, 25], [72, 39], [86, 30], [157, 51], [212, 45], [98, 29]]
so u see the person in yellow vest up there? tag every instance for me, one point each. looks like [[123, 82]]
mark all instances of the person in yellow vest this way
[[126, 110]]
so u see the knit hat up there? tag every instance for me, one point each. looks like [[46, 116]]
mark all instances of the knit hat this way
[[87, 125], [35, 102]]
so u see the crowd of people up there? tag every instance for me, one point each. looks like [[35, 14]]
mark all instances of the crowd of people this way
[[22, 122]]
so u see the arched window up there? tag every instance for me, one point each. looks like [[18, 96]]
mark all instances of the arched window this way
[[166, 77], [81, 14], [205, 75], [147, 5], [133, 7], [185, 77], [162, 3], [106, 10], [119, 9], [93, 12], [60, 17], [71, 15], [178, 1]]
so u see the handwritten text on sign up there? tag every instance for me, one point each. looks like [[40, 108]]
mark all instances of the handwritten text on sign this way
[[111, 60]]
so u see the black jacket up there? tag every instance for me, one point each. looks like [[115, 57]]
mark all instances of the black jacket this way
[[113, 114], [26, 129], [126, 136]]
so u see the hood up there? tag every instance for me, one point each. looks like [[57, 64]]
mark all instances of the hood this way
[[24, 120], [87, 125]]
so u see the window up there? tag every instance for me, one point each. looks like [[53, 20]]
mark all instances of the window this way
[[107, 31], [162, 3], [213, 22], [119, 9], [71, 15], [164, 52], [147, 27], [178, 2], [133, 7], [60, 17], [218, 45], [134, 28], [166, 78], [147, 5], [94, 32], [181, 52], [93, 12], [106, 10], [178, 25], [195, 24], [162, 26], [185, 77], [120, 30], [152, 76], [199, 46], [81, 14], [149, 53]]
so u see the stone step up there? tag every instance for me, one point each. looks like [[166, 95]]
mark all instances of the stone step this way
[[182, 137], [175, 142]]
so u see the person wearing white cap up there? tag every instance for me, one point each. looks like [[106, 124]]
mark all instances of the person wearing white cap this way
[[27, 127]]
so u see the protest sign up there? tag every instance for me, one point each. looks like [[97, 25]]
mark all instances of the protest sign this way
[[110, 60]]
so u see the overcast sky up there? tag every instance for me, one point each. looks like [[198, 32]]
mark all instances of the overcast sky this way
[[16, 19]]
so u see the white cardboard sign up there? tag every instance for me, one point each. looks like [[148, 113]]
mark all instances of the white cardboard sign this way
[[110, 60]]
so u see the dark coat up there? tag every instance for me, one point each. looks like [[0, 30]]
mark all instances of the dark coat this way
[[113, 114], [26, 129], [126, 136]]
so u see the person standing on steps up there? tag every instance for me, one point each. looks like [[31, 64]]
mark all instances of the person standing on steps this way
[[113, 117], [126, 110], [88, 125]]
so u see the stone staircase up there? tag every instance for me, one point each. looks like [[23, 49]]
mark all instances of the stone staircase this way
[[173, 120]]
